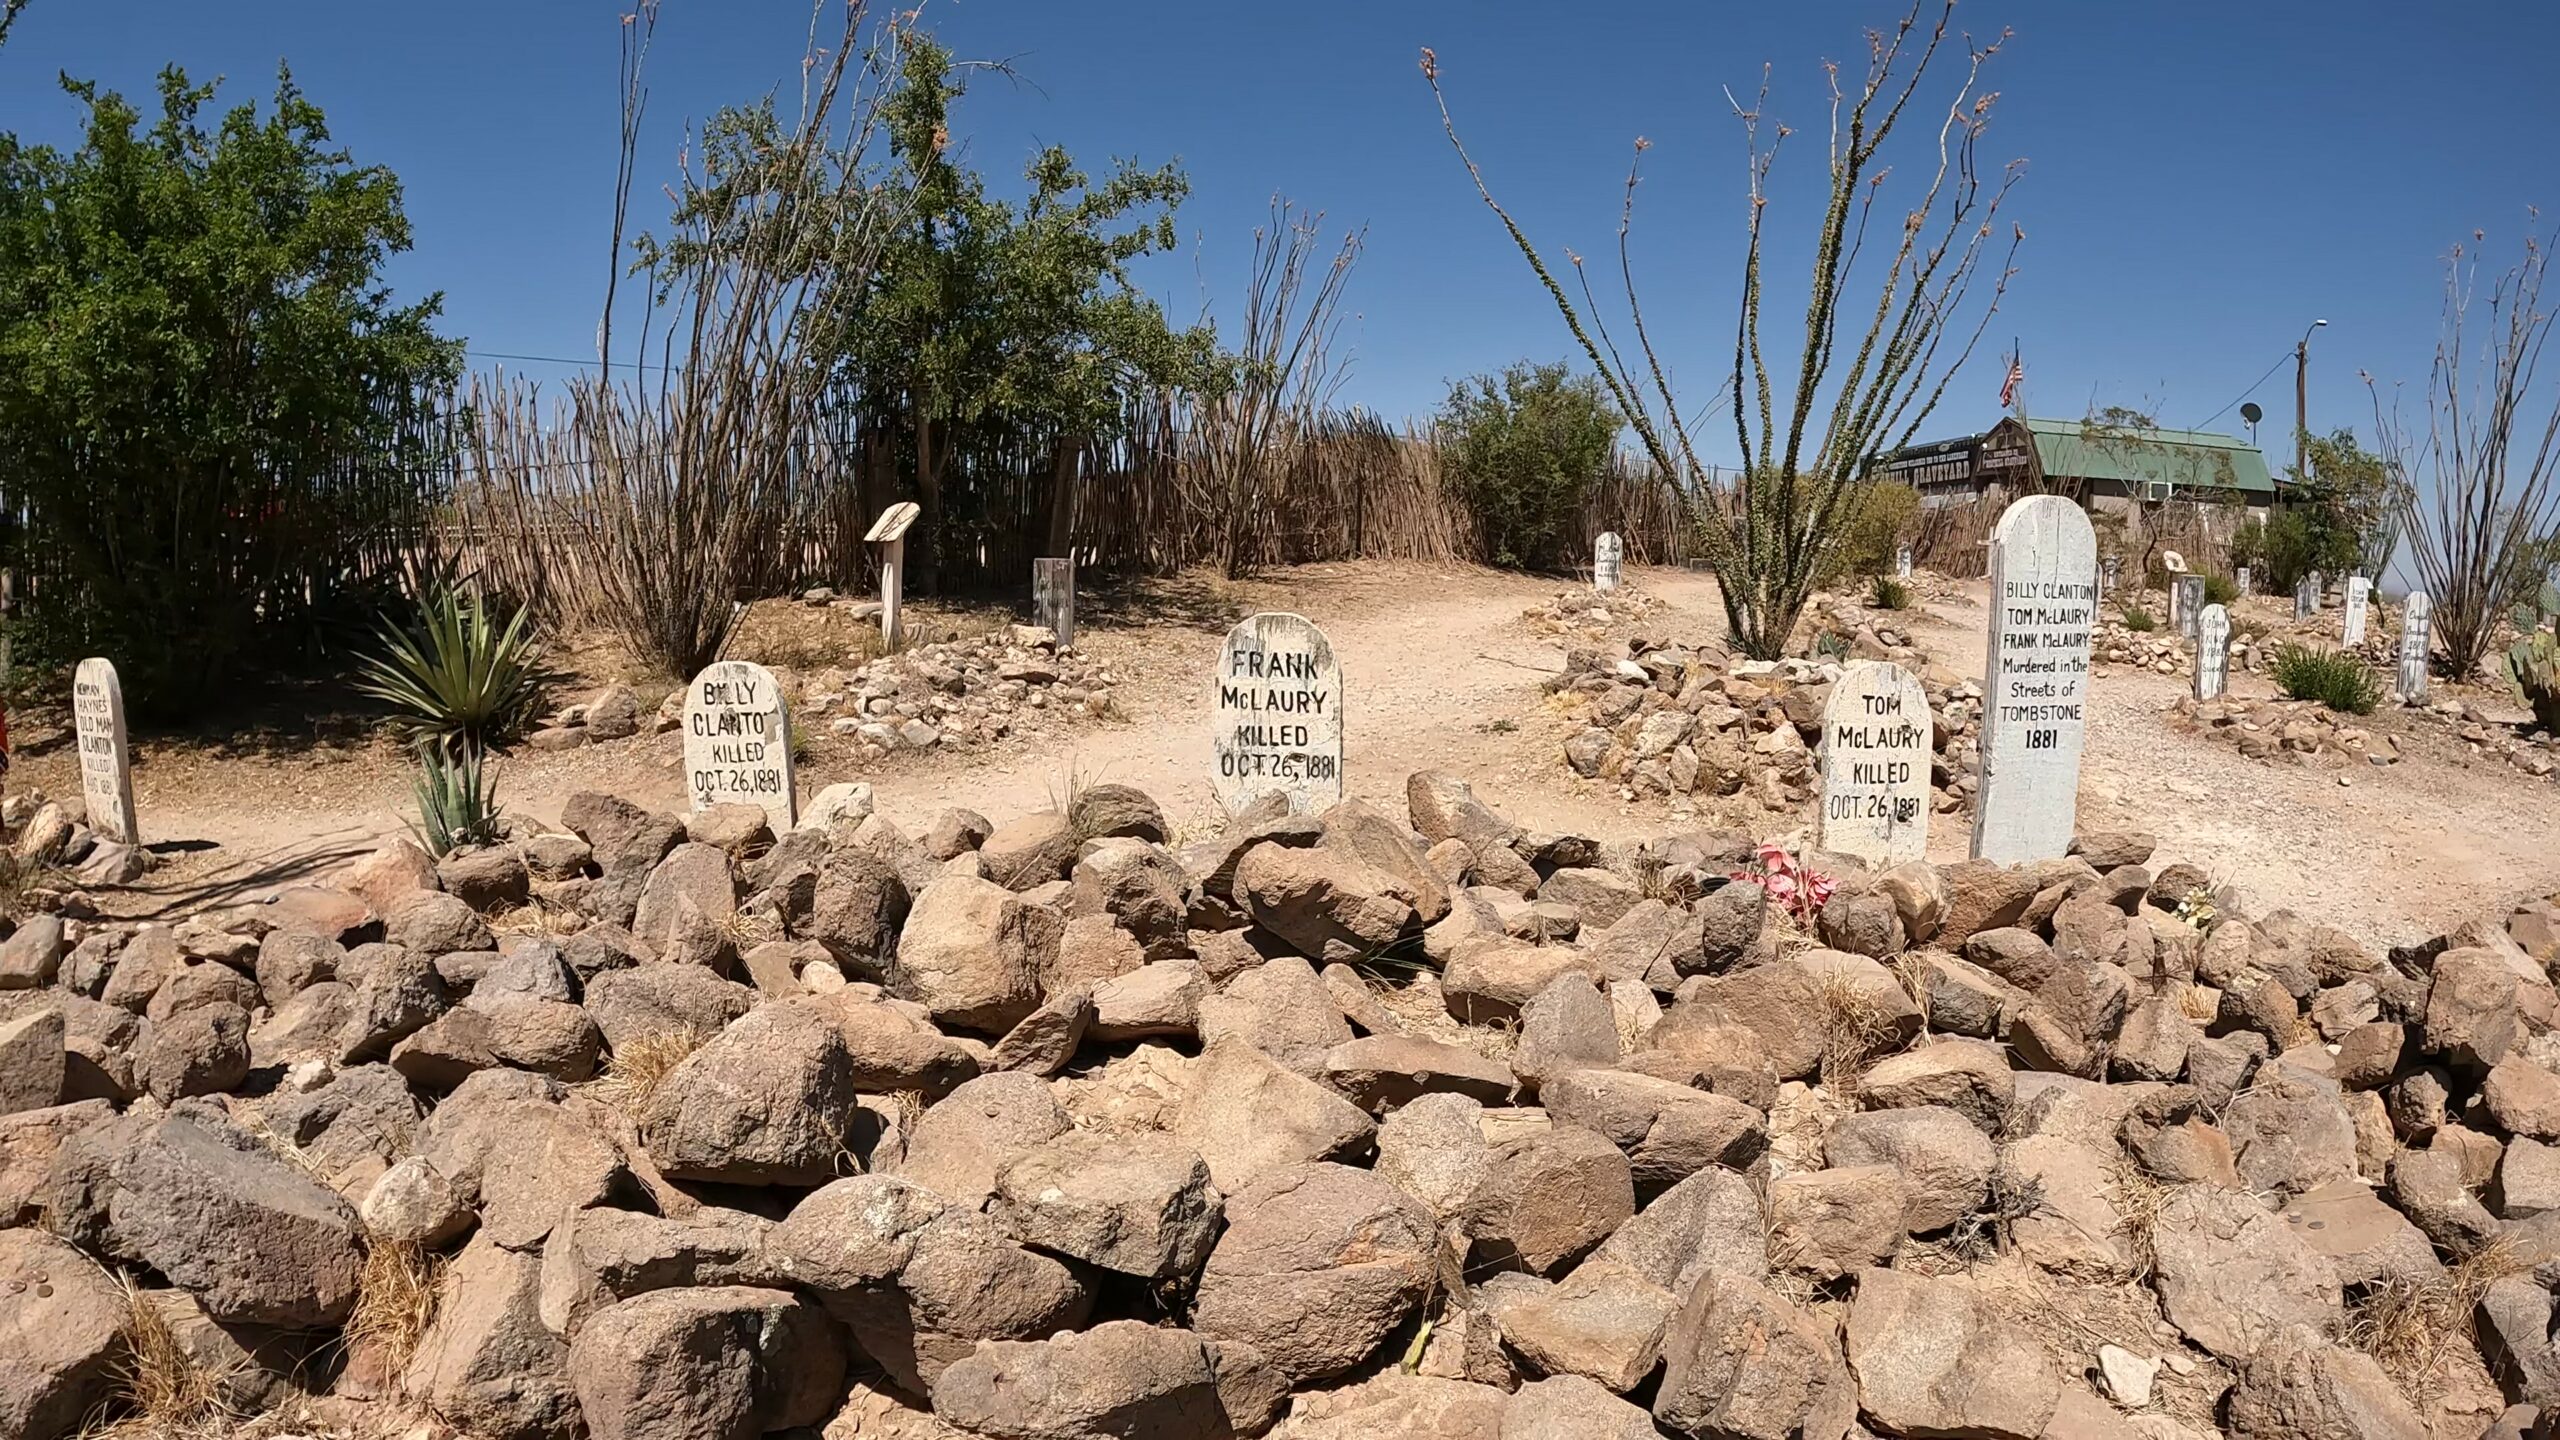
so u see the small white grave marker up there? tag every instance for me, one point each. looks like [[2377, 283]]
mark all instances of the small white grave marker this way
[[2240, 582], [2213, 652], [889, 532], [737, 741], [2044, 564], [2359, 599], [1902, 562], [1608, 556], [1876, 746], [1276, 722], [106, 762], [1053, 598], [2107, 576], [2186, 603], [2306, 598], [2413, 647]]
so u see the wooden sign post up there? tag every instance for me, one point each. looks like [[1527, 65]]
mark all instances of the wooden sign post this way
[[1053, 598], [889, 532], [2044, 572]]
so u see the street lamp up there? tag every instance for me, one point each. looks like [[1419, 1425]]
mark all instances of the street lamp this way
[[2301, 422]]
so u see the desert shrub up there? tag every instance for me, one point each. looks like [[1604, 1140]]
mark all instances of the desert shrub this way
[[1888, 593], [2292, 543], [2139, 620], [220, 430], [1522, 449], [2334, 678], [457, 802], [464, 672], [1885, 516], [2220, 590]]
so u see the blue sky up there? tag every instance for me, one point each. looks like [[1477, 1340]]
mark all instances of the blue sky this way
[[2203, 181]]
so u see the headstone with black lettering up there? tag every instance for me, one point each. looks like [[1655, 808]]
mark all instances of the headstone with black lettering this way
[[1876, 747], [2213, 652], [1902, 563], [1053, 598], [1608, 556], [2044, 568], [2186, 603], [106, 762], [2306, 598], [1276, 716], [2413, 647], [2359, 599], [2240, 582], [737, 741]]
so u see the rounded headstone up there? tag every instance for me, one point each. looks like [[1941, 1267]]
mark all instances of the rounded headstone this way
[[737, 741], [1876, 746], [1276, 715], [106, 765], [2413, 647], [1608, 554], [2044, 566]]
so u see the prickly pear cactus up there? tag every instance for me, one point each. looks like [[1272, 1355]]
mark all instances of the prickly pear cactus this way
[[2534, 661]]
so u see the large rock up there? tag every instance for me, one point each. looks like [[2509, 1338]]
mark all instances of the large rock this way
[[2233, 1277], [1397, 1406], [856, 907], [1141, 887], [31, 1061], [2471, 1008], [62, 1335], [972, 953], [1548, 1198], [1603, 1321], [721, 1363], [189, 1194], [1318, 1265], [966, 1140], [1487, 981], [1358, 828], [600, 1255], [1830, 1223], [32, 955], [766, 1102], [1742, 1364], [1945, 1162], [1137, 1204], [1668, 1130], [1329, 904], [389, 875], [638, 1004], [2301, 1385], [2075, 1230], [893, 1049], [1381, 1072], [431, 922], [202, 1050], [1710, 1221], [1029, 851], [1280, 1008], [2290, 1131], [1248, 1115], [1801, 1007], [1567, 1026], [487, 1364], [1569, 1407], [397, 992], [624, 838], [1122, 1378], [548, 1037], [1970, 1077], [1934, 1357]]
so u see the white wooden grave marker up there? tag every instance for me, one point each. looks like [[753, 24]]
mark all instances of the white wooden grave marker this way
[[1876, 746], [2306, 598], [2107, 576], [2413, 647], [2213, 652], [889, 532], [1608, 555], [2186, 603], [2044, 566], [737, 741], [1276, 719], [2240, 582], [1902, 562], [106, 761], [2359, 599], [1053, 598]]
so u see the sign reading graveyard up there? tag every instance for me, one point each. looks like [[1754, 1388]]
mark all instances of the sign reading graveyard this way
[[2044, 601], [1876, 744], [737, 741], [106, 766], [1276, 714]]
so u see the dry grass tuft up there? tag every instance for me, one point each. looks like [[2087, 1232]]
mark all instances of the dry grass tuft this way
[[2138, 1197], [395, 1301], [633, 1072], [2407, 1328], [158, 1392], [747, 929], [534, 919], [2196, 1005], [1855, 1030]]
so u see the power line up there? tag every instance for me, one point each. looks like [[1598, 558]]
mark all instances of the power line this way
[[548, 359], [2243, 395]]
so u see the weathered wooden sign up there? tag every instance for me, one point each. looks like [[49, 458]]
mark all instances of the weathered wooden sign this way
[[2240, 582], [1876, 744], [2107, 576], [2413, 647], [1276, 714], [2359, 600], [1053, 598], [106, 761], [2213, 652], [2186, 602], [889, 532], [737, 741], [2306, 598], [1608, 556], [1902, 562], [2044, 567]]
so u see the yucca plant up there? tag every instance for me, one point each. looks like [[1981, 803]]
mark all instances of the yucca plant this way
[[467, 674], [2533, 662], [457, 801], [2332, 677]]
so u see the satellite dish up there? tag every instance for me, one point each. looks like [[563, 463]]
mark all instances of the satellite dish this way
[[2251, 413]]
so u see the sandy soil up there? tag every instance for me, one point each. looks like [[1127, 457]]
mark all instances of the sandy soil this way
[[1442, 673]]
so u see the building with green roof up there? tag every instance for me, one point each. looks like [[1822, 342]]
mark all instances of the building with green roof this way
[[2106, 467]]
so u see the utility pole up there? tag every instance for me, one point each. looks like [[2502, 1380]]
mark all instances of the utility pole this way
[[2301, 410]]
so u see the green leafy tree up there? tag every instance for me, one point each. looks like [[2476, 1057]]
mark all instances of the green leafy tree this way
[[2359, 498], [207, 396], [1523, 449]]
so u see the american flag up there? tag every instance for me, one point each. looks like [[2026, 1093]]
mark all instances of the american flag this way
[[2009, 386]]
